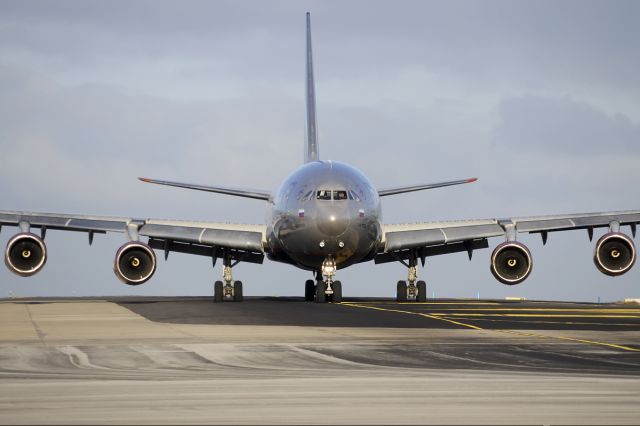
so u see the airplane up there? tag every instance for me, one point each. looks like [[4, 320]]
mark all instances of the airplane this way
[[325, 216]]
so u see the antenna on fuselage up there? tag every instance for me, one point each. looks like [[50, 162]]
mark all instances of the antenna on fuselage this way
[[311, 152]]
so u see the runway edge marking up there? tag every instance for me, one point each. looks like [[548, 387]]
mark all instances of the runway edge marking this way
[[543, 336]]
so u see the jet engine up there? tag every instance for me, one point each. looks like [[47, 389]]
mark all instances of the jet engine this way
[[26, 254], [135, 263], [615, 254], [511, 262]]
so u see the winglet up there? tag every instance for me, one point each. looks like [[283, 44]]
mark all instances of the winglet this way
[[145, 180], [471, 180]]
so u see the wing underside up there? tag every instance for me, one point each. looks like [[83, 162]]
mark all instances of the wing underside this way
[[434, 238], [216, 240]]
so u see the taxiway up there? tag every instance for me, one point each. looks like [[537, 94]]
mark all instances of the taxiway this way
[[281, 360]]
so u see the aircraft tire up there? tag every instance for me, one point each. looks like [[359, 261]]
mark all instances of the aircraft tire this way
[[321, 297], [237, 291], [309, 290], [422, 291], [336, 297], [401, 293], [218, 291]]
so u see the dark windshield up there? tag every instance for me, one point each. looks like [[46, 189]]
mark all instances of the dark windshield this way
[[323, 195], [339, 195]]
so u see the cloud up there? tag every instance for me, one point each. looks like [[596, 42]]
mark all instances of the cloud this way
[[537, 99], [91, 142], [566, 126]]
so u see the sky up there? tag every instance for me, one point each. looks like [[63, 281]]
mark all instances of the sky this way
[[538, 99]]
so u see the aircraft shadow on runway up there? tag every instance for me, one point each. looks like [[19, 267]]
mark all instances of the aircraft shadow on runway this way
[[385, 313]]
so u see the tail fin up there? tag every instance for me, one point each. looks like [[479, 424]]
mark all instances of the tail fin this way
[[311, 152]]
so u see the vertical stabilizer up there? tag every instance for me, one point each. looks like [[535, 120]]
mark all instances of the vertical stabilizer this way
[[311, 152]]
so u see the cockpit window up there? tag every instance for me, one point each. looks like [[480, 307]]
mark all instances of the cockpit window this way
[[306, 196], [323, 195], [339, 195]]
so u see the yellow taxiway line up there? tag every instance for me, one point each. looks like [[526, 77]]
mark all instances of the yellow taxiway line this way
[[554, 322], [382, 302], [355, 305], [470, 314], [612, 310], [520, 333]]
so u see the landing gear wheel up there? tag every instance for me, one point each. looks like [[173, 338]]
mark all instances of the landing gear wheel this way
[[309, 290], [401, 293], [218, 291], [321, 297], [237, 291], [422, 291], [336, 297]]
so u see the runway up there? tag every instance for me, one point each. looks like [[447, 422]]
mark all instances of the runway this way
[[283, 360]]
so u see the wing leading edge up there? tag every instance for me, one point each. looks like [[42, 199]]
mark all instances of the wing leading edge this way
[[238, 192], [240, 241], [383, 192], [433, 238]]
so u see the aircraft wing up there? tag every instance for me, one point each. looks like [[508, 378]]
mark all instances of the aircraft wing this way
[[383, 192], [240, 241], [434, 238], [237, 192]]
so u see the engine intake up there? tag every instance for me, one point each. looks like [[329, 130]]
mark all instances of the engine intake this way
[[135, 263], [26, 254], [615, 254], [511, 262]]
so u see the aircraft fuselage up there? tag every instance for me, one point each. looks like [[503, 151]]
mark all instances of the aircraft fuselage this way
[[324, 208]]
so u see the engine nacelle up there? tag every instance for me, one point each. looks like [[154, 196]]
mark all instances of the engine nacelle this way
[[26, 254], [615, 254], [511, 262], [135, 263]]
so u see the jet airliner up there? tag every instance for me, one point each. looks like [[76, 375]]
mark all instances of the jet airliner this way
[[325, 216]]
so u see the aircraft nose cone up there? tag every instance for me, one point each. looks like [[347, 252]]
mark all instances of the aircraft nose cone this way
[[333, 223]]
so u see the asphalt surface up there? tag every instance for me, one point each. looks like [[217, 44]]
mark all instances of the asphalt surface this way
[[443, 313], [283, 360]]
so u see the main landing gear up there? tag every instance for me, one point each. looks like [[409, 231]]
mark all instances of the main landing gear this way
[[228, 290], [325, 289], [411, 289]]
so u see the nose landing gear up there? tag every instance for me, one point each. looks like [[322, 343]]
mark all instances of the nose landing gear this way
[[328, 272], [325, 289]]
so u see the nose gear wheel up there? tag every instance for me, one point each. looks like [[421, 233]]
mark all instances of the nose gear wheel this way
[[326, 289]]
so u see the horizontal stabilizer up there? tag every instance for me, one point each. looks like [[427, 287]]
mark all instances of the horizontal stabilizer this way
[[402, 189], [237, 192]]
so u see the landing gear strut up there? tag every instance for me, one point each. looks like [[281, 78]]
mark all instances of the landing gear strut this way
[[326, 289], [412, 289], [229, 289]]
